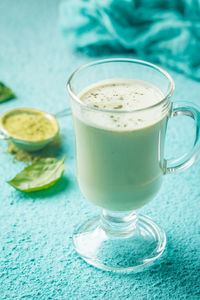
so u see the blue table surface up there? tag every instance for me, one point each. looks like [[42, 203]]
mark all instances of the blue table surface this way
[[37, 259]]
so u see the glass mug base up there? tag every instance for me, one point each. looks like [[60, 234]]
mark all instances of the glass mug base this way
[[119, 242]]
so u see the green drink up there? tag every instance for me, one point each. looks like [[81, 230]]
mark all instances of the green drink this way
[[120, 129], [120, 158]]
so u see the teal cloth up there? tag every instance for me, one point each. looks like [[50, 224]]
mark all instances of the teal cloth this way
[[166, 32], [37, 258]]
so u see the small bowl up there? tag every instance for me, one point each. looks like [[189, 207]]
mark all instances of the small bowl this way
[[24, 144]]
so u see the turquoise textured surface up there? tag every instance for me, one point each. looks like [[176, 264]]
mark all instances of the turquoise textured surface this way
[[37, 260], [166, 32]]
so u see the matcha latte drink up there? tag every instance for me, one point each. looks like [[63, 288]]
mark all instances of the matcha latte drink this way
[[120, 111], [120, 157]]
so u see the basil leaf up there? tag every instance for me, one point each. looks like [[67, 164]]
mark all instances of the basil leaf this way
[[39, 176], [5, 93]]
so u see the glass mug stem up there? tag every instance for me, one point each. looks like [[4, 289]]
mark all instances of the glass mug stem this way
[[118, 223], [184, 162]]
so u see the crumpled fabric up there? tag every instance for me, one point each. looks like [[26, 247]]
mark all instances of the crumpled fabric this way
[[161, 31]]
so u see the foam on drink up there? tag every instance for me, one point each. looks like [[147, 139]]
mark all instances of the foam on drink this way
[[121, 95]]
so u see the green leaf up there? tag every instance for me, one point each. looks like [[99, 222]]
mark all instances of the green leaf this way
[[39, 176], [5, 93]]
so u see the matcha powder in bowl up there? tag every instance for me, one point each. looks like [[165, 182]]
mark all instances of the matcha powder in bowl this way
[[29, 129]]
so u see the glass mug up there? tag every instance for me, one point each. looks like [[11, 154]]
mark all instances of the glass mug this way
[[122, 170]]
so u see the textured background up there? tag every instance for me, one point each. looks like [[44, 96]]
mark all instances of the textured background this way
[[37, 260]]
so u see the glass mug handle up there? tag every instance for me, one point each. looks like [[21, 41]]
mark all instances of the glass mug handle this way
[[184, 162]]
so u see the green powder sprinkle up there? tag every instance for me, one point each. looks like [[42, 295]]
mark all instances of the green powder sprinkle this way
[[118, 107]]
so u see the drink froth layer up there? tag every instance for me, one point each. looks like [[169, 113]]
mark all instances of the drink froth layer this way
[[121, 95]]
